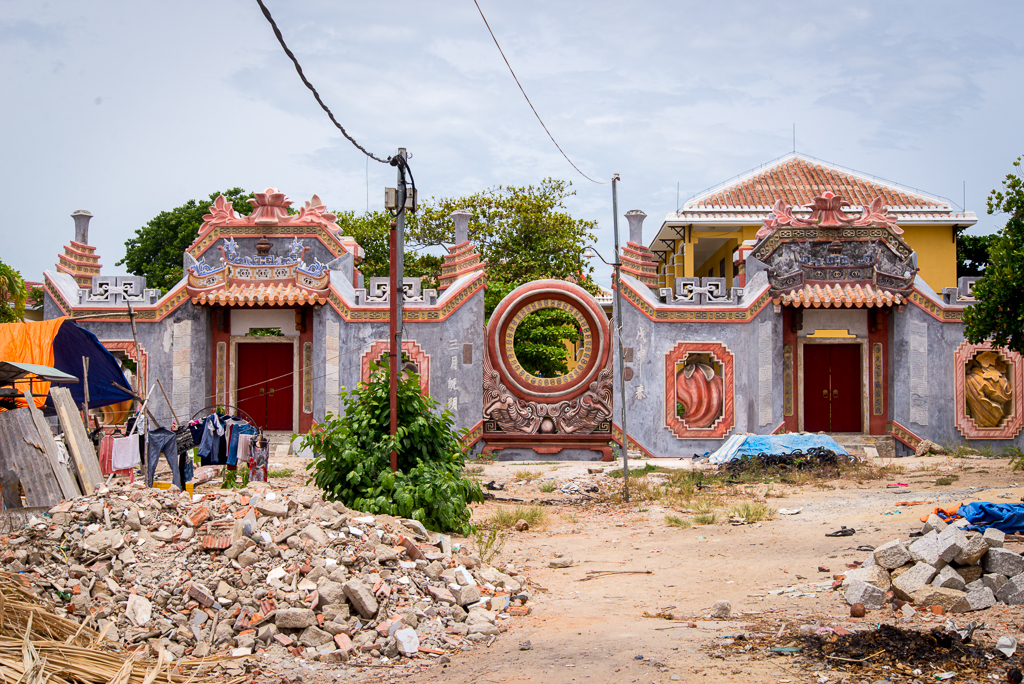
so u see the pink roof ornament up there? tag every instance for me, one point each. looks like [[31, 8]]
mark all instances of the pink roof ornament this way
[[271, 206]]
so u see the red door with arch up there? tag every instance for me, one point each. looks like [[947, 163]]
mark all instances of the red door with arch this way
[[832, 388], [265, 383]]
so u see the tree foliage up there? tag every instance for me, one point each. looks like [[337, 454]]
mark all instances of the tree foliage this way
[[998, 314], [524, 233], [352, 463], [972, 254], [540, 339], [12, 295], [156, 249], [372, 231]]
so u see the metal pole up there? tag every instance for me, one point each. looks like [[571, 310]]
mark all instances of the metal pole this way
[[618, 337], [396, 292]]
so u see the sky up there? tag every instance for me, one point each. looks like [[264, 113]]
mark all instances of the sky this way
[[128, 109]]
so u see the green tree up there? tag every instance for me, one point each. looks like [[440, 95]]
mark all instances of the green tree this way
[[998, 314], [372, 231], [156, 249], [12, 295], [352, 463], [972, 254], [523, 233]]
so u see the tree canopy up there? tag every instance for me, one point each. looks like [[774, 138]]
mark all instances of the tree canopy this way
[[156, 249], [12, 295], [999, 312], [972, 254], [372, 231]]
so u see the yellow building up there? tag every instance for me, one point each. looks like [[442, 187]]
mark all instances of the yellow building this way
[[705, 236]]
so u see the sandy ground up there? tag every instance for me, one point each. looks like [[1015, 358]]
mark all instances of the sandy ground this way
[[596, 630]]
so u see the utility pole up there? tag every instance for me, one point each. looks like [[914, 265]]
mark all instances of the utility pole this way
[[397, 292], [618, 338]]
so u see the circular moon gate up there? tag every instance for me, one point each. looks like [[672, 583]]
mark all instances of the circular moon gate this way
[[568, 413], [535, 296]]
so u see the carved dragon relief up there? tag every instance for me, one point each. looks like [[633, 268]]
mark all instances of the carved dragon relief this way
[[583, 415]]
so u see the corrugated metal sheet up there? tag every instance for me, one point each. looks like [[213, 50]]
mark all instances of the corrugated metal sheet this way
[[23, 459], [65, 478]]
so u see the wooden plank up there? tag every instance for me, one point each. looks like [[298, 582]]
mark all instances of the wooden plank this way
[[82, 454], [65, 479], [23, 460]]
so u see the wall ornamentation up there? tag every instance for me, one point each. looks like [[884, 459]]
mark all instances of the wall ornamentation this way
[[787, 379], [699, 402], [877, 393], [988, 391], [413, 359]]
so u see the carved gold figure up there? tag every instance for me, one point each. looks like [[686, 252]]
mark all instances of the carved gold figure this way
[[988, 391]]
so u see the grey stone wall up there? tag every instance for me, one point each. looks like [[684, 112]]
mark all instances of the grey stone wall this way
[[757, 376]]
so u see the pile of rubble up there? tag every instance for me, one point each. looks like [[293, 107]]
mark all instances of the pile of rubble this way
[[255, 570], [945, 566]]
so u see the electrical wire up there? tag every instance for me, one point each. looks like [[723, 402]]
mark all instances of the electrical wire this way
[[523, 91], [298, 68]]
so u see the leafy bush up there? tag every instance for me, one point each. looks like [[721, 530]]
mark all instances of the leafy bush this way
[[353, 456]]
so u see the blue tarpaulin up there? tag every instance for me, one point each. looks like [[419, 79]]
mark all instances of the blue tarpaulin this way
[[1008, 518], [739, 446]]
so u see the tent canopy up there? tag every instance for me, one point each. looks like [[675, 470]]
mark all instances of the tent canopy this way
[[9, 372], [59, 343]]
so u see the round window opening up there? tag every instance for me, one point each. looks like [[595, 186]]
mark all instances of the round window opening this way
[[548, 343]]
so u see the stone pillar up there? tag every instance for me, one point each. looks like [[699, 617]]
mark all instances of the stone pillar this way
[[636, 226], [81, 218], [461, 219]]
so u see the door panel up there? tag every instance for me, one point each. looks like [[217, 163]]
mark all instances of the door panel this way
[[816, 388], [265, 378], [252, 375], [846, 390], [280, 386]]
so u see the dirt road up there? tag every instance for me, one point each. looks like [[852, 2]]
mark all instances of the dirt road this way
[[595, 630]]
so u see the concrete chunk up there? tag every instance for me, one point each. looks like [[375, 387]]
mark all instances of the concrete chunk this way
[[994, 538], [912, 580], [891, 555], [869, 595], [316, 533], [294, 618], [937, 596], [952, 542], [979, 599], [970, 573], [1012, 592], [934, 522], [972, 551], [874, 575], [949, 578], [1003, 562], [465, 595], [926, 549], [994, 581], [360, 596]]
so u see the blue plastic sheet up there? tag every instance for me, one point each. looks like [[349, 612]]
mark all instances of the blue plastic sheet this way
[[739, 446], [1008, 518], [70, 344]]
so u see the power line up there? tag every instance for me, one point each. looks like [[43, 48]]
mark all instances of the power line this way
[[298, 68], [516, 78]]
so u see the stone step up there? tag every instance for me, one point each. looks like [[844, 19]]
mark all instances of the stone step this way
[[867, 446]]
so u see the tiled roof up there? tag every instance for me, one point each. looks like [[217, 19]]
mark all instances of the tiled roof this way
[[839, 296], [251, 294], [798, 180]]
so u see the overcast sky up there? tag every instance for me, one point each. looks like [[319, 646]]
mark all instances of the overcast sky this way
[[130, 108]]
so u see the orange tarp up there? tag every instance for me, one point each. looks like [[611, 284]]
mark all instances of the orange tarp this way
[[30, 343]]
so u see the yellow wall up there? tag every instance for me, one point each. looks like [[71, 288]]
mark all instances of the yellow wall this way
[[713, 262], [936, 254]]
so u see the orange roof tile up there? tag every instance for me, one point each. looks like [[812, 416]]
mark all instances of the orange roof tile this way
[[798, 180], [839, 296], [251, 294]]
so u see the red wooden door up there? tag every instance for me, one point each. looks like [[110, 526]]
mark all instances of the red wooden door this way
[[816, 388], [846, 390], [832, 391], [252, 375], [265, 379], [280, 383]]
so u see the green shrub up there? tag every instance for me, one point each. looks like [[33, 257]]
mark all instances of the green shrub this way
[[352, 462]]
